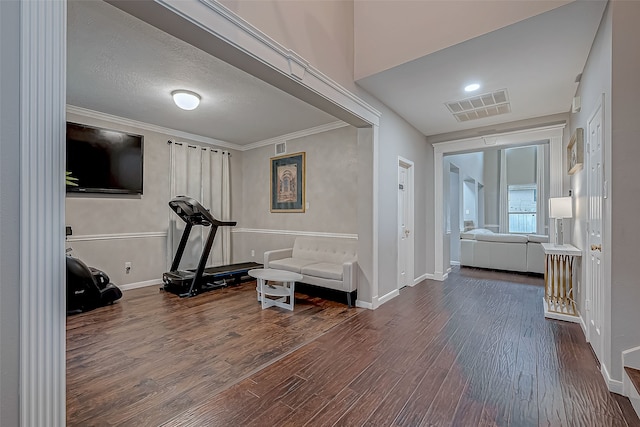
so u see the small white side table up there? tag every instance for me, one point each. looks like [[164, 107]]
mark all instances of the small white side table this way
[[283, 291], [559, 299]]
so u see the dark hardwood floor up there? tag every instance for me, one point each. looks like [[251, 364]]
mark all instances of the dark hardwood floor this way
[[474, 350]]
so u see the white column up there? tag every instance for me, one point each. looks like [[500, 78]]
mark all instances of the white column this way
[[42, 165]]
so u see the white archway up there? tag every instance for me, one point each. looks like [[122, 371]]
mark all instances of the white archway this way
[[553, 134]]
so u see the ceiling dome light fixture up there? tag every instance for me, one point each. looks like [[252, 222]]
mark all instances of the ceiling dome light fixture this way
[[186, 99], [471, 87]]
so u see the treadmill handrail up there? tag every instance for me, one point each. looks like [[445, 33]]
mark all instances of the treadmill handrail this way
[[195, 209]]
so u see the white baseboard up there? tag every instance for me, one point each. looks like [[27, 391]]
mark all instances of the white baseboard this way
[[420, 279], [381, 300], [636, 404], [441, 277], [614, 386], [136, 285], [631, 358], [584, 327], [454, 262], [364, 304]]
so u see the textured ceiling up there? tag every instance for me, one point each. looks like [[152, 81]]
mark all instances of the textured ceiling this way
[[122, 66], [536, 60]]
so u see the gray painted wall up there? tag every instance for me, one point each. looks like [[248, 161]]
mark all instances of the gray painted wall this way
[[108, 214], [398, 138], [331, 192], [365, 219], [9, 212], [625, 180], [596, 80]]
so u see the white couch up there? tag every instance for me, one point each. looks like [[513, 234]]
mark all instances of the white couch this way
[[512, 252], [325, 262]]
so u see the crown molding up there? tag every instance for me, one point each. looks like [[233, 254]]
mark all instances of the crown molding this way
[[293, 135], [72, 109]]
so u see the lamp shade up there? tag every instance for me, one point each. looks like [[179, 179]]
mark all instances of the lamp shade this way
[[560, 207]]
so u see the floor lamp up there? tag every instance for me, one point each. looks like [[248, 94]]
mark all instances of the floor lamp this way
[[560, 208]]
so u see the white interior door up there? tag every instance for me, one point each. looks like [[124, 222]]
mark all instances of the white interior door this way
[[595, 276], [405, 223]]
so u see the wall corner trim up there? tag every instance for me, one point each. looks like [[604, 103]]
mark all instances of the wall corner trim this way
[[364, 304], [419, 279], [43, 58]]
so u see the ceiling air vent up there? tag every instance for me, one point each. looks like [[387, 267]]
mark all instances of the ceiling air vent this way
[[480, 106], [281, 148]]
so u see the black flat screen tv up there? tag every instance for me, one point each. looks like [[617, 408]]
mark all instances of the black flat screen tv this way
[[104, 161]]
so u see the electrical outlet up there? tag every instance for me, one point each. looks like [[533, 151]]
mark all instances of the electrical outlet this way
[[127, 267], [253, 253]]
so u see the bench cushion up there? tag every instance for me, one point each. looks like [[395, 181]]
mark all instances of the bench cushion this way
[[324, 269], [291, 264]]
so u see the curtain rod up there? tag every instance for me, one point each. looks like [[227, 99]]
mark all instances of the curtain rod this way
[[215, 150]]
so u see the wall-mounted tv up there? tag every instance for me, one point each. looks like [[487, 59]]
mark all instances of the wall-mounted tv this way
[[104, 161]]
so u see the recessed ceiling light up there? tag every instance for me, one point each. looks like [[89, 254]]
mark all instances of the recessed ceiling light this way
[[186, 99], [471, 87]]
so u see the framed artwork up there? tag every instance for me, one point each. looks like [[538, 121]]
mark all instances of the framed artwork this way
[[575, 151], [287, 183]]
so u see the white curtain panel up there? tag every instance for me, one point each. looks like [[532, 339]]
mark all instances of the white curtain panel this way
[[504, 194], [541, 205], [216, 197], [203, 174]]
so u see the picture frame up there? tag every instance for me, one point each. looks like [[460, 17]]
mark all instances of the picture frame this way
[[288, 183], [575, 152]]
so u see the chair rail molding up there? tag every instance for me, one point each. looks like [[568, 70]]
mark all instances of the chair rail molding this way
[[295, 233], [117, 236], [552, 134]]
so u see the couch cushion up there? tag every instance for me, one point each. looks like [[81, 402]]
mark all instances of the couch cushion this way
[[325, 249], [324, 269], [290, 264], [505, 238], [471, 234], [538, 238]]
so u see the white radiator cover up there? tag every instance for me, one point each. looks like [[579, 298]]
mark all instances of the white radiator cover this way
[[42, 164]]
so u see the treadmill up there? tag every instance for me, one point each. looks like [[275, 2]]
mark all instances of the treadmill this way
[[187, 283]]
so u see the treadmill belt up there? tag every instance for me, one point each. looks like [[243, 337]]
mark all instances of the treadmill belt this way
[[179, 281], [232, 268]]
